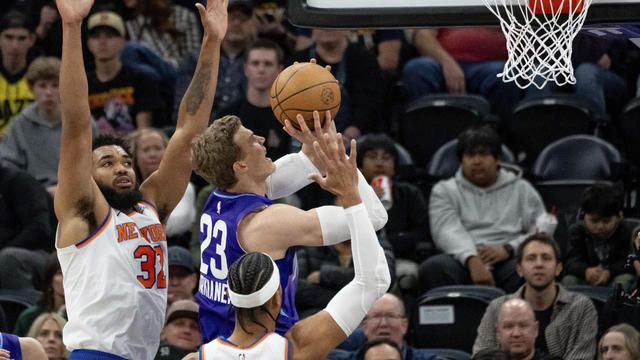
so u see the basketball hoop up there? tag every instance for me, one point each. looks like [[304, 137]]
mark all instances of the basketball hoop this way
[[539, 36]]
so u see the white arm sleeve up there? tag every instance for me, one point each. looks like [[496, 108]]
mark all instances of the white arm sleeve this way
[[291, 175], [334, 223], [371, 280]]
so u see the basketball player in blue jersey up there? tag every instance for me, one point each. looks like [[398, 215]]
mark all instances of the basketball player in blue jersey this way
[[16, 348], [110, 239], [240, 216], [256, 293]]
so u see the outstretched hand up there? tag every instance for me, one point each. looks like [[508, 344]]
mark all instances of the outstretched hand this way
[[214, 18], [73, 11], [341, 170], [307, 136]]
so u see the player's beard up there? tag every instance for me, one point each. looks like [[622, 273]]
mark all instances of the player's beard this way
[[123, 201]]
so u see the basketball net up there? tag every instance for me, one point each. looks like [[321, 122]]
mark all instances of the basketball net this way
[[539, 36]]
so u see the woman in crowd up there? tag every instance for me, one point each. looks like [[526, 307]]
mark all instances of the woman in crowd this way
[[148, 146], [51, 299], [620, 342], [47, 329]]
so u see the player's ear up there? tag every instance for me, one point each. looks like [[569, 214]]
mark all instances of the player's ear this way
[[239, 167]]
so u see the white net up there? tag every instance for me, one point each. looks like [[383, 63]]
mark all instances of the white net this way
[[539, 37]]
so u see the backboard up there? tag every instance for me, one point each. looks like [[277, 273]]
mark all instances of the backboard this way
[[429, 13]]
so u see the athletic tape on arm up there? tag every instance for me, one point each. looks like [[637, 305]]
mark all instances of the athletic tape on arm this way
[[372, 279]]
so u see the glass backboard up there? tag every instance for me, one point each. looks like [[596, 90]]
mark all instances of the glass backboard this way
[[429, 13]]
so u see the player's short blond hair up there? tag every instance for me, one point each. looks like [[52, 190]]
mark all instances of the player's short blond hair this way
[[213, 152]]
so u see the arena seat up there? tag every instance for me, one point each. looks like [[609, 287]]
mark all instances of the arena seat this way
[[431, 121], [630, 130], [448, 316], [539, 121], [583, 157]]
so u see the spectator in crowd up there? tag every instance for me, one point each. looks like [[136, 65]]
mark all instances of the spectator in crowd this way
[[635, 246], [567, 321], [620, 342], [16, 38], [25, 229], [408, 225], [385, 43], [232, 83], [599, 242], [387, 319], [49, 27], [324, 270], [479, 217], [359, 76], [33, 141], [121, 98], [148, 146], [264, 61], [47, 329], [601, 70], [517, 330], [51, 299], [451, 62], [13, 347], [170, 31], [382, 349], [182, 277], [181, 333]]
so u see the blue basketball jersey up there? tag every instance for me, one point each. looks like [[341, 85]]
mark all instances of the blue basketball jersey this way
[[219, 248], [12, 344]]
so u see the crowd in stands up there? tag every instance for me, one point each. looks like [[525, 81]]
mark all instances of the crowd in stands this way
[[482, 226]]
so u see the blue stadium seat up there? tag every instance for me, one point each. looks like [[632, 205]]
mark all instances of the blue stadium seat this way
[[432, 120], [448, 316], [576, 157], [539, 121], [451, 354]]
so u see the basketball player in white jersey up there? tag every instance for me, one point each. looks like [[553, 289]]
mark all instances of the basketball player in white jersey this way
[[256, 293], [110, 238]]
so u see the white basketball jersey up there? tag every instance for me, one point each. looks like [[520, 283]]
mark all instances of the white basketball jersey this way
[[270, 346], [115, 284]]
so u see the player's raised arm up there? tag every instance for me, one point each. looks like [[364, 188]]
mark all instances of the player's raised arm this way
[[76, 188], [315, 336], [166, 186]]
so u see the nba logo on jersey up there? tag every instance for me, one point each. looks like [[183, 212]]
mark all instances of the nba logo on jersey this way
[[240, 356], [219, 206]]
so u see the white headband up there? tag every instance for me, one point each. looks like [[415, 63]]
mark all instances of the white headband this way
[[259, 297]]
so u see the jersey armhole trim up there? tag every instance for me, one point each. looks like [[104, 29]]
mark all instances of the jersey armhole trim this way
[[96, 232], [287, 348], [152, 207]]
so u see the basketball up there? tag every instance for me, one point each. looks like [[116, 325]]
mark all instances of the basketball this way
[[302, 88]]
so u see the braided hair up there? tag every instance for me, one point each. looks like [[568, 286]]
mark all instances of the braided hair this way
[[248, 275]]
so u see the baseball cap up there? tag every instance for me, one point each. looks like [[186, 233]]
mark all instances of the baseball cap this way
[[108, 19], [243, 5], [182, 309], [180, 256]]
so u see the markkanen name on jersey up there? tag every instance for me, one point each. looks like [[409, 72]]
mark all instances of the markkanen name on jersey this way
[[214, 290]]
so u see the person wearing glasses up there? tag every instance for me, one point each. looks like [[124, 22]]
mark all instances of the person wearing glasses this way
[[387, 320]]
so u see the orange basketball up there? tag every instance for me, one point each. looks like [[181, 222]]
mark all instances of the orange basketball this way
[[302, 88]]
